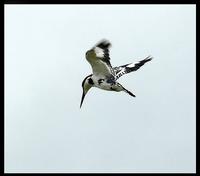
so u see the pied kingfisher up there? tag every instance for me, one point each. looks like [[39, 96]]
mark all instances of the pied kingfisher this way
[[104, 75]]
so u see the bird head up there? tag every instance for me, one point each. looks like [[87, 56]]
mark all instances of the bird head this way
[[86, 85]]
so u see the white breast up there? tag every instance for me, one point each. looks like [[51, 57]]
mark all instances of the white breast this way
[[103, 85]]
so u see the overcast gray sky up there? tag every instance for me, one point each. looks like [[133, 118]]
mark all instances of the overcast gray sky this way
[[46, 131]]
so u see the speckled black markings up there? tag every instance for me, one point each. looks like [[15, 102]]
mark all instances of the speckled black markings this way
[[90, 81], [121, 70], [105, 45], [100, 81], [120, 74], [112, 88], [85, 79], [111, 79]]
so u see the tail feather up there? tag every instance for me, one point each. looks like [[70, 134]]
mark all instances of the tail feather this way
[[130, 93]]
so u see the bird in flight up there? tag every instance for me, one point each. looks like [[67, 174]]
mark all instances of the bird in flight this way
[[104, 75]]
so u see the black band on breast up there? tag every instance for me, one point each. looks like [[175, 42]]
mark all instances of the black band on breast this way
[[100, 81], [90, 81]]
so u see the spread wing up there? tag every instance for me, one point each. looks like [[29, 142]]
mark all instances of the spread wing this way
[[124, 69], [99, 59]]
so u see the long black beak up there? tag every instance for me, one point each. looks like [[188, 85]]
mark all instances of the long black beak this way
[[83, 96]]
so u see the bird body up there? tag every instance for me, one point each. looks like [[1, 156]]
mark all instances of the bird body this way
[[100, 82], [106, 83], [104, 75]]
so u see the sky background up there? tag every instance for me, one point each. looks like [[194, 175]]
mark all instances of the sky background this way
[[46, 131]]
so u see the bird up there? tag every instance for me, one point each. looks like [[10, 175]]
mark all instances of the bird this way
[[105, 76]]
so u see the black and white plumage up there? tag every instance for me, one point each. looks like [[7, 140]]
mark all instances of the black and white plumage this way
[[104, 75]]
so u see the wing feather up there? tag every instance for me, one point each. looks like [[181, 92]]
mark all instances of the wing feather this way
[[124, 69], [99, 59]]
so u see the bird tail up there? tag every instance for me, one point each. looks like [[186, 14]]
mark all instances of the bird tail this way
[[130, 93]]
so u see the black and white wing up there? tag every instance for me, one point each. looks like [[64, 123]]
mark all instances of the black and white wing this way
[[124, 69], [99, 59]]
